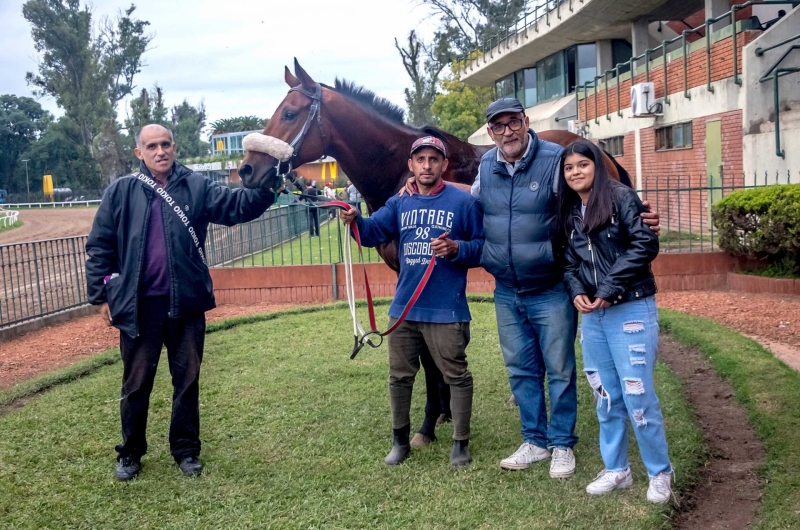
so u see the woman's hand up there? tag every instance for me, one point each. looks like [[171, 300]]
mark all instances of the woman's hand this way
[[599, 303], [583, 304]]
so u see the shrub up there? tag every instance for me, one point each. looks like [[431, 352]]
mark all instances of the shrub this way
[[761, 223]]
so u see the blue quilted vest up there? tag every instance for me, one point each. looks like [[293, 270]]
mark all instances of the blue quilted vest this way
[[520, 218]]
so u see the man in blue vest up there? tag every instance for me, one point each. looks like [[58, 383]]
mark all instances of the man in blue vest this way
[[536, 322]]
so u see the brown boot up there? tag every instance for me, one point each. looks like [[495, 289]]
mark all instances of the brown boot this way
[[420, 441]]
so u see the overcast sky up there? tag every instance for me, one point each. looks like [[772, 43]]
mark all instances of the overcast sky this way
[[231, 53]]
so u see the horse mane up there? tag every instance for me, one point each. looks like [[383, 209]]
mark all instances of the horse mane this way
[[369, 100]]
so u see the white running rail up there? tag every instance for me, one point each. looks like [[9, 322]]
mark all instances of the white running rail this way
[[68, 204], [8, 217]]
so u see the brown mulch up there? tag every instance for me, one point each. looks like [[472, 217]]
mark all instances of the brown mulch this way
[[729, 490], [772, 316], [62, 344]]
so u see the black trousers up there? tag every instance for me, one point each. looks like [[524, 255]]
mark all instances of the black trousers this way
[[184, 339], [313, 221]]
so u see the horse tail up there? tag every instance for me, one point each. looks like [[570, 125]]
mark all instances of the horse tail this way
[[624, 176]]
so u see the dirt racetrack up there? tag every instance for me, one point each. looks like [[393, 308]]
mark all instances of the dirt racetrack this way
[[49, 223]]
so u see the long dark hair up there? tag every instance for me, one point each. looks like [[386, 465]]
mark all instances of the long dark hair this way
[[600, 207]]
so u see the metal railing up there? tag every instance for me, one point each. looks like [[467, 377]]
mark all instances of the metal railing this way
[[703, 30], [282, 236], [43, 277], [40, 278], [774, 73], [684, 206]]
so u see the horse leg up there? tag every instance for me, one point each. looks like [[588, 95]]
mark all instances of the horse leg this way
[[434, 384]]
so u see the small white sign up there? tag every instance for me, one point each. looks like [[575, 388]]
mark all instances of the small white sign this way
[[208, 166]]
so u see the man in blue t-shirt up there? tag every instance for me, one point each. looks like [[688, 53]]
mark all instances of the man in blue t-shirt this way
[[445, 222]]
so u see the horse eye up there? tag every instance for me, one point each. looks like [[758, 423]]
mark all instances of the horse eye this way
[[289, 115]]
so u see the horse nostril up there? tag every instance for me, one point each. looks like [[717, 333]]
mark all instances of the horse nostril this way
[[245, 171]]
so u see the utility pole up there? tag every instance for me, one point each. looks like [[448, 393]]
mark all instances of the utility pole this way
[[27, 182]]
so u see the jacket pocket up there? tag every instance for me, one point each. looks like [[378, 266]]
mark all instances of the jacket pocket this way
[[115, 296]]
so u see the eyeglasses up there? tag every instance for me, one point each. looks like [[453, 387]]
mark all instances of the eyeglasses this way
[[514, 124]]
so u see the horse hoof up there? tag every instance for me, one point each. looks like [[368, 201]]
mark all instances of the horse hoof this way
[[420, 440]]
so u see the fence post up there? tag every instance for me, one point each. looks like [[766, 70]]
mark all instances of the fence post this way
[[38, 285], [335, 282]]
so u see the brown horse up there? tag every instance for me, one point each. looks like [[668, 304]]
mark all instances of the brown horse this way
[[368, 138]]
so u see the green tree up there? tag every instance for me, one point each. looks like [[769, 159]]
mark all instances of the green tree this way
[[238, 124], [22, 122], [187, 125], [57, 153], [88, 70], [423, 66], [460, 109]]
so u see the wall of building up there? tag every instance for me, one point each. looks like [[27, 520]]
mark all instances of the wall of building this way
[[759, 103]]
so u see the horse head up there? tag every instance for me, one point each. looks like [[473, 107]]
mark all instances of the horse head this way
[[293, 136]]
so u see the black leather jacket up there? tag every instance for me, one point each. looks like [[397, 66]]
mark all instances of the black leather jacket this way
[[613, 262], [119, 235]]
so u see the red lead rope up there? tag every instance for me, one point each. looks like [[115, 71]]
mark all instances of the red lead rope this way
[[359, 342]]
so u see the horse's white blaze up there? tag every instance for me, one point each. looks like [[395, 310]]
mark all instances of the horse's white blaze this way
[[270, 145]]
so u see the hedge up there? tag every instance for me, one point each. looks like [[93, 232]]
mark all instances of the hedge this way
[[761, 223]]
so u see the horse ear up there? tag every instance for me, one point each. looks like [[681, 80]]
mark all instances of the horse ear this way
[[291, 80], [303, 76]]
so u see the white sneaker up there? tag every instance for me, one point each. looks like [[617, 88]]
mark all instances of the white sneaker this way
[[526, 455], [660, 491], [562, 464], [608, 481]]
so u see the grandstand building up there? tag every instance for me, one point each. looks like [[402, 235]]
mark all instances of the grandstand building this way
[[672, 88]]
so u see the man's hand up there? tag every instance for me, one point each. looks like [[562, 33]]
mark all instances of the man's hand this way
[[444, 248], [408, 188], [583, 304], [599, 303], [651, 219], [105, 314], [349, 216]]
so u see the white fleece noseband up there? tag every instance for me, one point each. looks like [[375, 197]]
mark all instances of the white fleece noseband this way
[[275, 147]]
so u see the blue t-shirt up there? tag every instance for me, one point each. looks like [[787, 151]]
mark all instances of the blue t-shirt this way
[[414, 221]]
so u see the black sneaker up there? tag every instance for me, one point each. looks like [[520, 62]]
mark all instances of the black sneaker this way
[[128, 468], [191, 466]]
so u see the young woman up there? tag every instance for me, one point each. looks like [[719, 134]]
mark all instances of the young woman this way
[[608, 255]]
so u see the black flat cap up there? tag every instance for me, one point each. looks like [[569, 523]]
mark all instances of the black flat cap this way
[[503, 105]]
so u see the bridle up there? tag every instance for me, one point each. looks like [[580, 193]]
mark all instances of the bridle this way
[[315, 112]]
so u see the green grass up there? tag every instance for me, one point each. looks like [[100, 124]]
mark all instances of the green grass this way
[[305, 250], [294, 435], [770, 391], [7, 227], [675, 238], [775, 270]]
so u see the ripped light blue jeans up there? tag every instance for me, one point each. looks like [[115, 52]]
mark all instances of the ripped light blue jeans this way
[[620, 346]]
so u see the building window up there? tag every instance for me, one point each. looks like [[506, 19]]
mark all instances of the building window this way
[[529, 88], [677, 136], [621, 52], [550, 78], [613, 146], [505, 87]]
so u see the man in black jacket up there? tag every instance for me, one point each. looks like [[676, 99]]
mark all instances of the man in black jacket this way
[[147, 272]]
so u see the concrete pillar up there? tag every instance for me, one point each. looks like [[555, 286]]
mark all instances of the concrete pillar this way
[[640, 36], [605, 57], [715, 8]]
